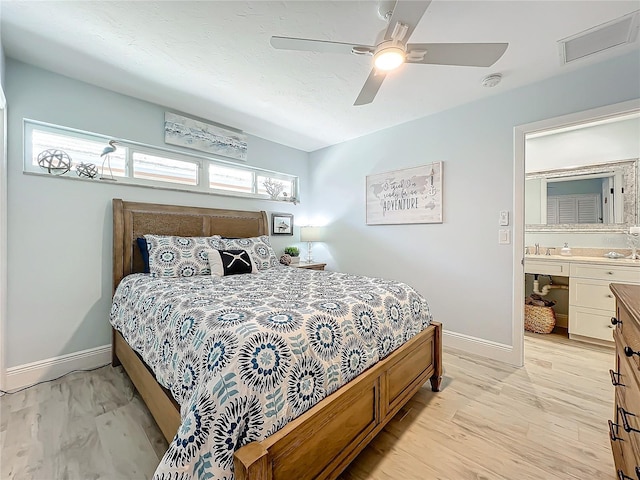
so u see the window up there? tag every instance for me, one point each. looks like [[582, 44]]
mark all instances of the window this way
[[582, 208], [139, 164], [287, 185], [80, 150], [152, 167], [234, 179]]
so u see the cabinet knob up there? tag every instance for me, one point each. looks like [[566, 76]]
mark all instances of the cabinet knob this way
[[609, 273], [615, 321], [629, 352]]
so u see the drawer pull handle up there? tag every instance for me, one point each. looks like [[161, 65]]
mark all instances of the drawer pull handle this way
[[622, 476], [628, 351], [615, 321], [615, 379], [625, 422], [609, 273], [613, 434]]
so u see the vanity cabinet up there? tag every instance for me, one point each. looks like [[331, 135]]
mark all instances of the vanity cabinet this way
[[591, 303]]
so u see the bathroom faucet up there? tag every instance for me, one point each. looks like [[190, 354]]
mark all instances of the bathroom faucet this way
[[537, 249]]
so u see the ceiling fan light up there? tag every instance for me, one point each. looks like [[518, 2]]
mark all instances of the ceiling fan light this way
[[389, 58]]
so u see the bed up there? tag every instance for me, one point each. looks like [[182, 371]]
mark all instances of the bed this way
[[318, 443]]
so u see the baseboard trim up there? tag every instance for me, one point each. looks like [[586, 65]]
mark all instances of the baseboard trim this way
[[29, 374], [479, 346]]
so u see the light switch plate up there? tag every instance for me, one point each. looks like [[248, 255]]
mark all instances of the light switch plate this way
[[504, 237], [504, 218]]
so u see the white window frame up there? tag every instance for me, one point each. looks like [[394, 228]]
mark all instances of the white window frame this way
[[202, 161]]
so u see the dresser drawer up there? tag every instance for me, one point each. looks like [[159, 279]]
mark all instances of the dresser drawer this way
[[613, 274], [590, 323], [630, 337], [628, 401], [592, 294], [624, 456]]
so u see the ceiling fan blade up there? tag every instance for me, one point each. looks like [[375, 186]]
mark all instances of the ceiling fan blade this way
[[408, 13], [370, 87], [308, 45], [463, 54]]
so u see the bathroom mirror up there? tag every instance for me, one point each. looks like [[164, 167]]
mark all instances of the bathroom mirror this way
[[583, 177], [587, 198]]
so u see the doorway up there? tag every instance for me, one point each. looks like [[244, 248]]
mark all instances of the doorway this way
[[521, 134]]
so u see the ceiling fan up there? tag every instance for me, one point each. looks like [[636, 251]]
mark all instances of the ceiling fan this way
[[392, 50]]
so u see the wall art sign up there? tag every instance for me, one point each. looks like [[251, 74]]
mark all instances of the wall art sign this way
[[191, 133], [411, 195]]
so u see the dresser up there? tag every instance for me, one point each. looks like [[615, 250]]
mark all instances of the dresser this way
[[624, 429]]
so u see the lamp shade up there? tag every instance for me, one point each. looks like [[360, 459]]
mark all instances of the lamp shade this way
[[311, 234]]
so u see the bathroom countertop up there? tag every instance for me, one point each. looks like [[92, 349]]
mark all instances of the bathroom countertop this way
[[627, 262]]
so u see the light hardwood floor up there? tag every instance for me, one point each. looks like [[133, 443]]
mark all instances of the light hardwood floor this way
[[545, 421]]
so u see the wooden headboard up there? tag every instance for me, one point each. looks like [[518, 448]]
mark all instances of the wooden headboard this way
[[133, 219]]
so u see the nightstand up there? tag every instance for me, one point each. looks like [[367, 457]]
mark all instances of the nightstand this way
[[309, 266]]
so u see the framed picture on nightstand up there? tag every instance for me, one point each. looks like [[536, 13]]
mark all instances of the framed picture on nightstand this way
[[281, 224]]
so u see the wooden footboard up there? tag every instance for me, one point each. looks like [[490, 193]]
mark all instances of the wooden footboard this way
[[324, 440]]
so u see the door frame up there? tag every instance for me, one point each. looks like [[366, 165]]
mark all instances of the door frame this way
[[3, 236], [519, 135]]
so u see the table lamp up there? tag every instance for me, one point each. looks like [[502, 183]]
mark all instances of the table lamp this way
[[310, 234]]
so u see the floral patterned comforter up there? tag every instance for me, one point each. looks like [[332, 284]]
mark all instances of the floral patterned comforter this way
[[245, 354]]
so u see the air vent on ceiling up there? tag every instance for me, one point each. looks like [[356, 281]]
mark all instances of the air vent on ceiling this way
[[621, 31]]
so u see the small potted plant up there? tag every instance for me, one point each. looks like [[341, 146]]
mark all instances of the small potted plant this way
[[294, 253]]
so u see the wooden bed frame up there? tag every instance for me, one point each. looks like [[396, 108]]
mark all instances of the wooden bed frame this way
[[322, 441]]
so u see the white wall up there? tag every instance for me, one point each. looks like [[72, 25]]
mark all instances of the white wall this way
[[458, 265], [60, 231], [603, 143], [2, 56]]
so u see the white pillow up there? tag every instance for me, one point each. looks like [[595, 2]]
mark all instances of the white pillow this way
[[230, 262]]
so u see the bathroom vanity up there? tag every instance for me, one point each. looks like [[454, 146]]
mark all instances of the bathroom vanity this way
[[591, 302]]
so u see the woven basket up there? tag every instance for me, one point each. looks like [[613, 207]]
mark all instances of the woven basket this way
[[539, 319]]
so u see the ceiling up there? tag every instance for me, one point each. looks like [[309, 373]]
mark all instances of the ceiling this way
[[212, 59]]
